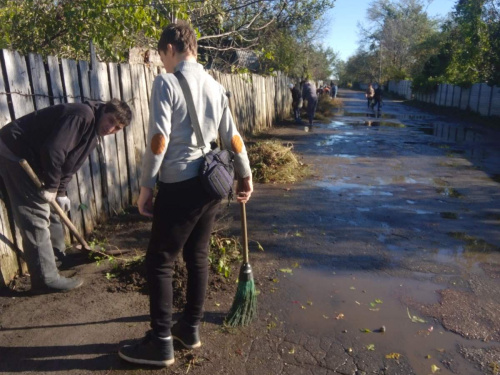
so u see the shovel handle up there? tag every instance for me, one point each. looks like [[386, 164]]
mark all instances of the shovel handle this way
[[244, 234], [31, 173]]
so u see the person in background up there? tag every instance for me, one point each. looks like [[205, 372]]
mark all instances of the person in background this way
[[296, 102], [333, 91], [377, 98], [369, 94], [55, 141], [183, 212], [309, 94]]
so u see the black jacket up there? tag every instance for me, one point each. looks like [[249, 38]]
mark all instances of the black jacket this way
[[55, 140]]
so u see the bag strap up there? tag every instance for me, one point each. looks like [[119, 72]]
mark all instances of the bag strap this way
[[191, 110]]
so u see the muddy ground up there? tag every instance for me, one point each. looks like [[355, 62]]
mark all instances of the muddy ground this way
[[385, 261]]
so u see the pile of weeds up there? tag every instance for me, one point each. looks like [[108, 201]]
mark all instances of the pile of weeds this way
[[327, 107], [271, 161]]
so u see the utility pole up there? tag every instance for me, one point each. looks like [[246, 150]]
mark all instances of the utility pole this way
[[380, 63]]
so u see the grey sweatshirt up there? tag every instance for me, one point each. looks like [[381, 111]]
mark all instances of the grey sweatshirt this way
[[172, 149]]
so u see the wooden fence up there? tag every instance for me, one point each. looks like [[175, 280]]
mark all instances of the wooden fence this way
[[108, 181], [479, 98]]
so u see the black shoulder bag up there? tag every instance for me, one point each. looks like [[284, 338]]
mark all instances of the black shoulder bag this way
[[217, 169]]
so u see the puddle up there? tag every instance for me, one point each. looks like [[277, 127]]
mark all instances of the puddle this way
[[371, 114], [449, 215], [473, 244], [449, 192], [340, 187], [351, 303], [331, 140]]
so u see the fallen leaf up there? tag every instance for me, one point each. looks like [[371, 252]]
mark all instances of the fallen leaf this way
[[217, 304], [324, 316], [357, 302], [370, 346], [303, 307], [291, 351], [365, 330], [275, 280], [352, 288], [414, 318], [309, 303], [298, 234], [377, 309], [393, 356], [378, 301], [428, 356], [286, 270], [340, 316], [434, 369]]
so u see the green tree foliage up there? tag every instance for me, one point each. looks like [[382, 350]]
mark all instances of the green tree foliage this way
[[277, 30], [65, 27], [469, 51]]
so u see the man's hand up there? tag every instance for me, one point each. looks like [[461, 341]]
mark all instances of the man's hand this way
[[244, 189], [145, 202], [47, 196], [64, 202]]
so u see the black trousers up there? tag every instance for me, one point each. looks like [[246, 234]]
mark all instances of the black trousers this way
[[183, 219]]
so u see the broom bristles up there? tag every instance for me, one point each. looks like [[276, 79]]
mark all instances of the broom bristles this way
[[244, 308]]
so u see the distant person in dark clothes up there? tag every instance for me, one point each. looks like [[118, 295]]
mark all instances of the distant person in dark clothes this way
[[369, 94], [377, 98], [309, 94], [296, 102], [55, 141], [333, 90]]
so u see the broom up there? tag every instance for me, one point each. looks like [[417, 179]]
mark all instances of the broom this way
[[244, 307]]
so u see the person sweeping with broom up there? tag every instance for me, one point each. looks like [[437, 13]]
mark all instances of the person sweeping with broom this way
[[183, 212]]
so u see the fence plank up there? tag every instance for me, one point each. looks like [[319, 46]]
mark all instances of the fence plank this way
[[9, 265], [22, 103], [72, 88], [4, 106], [19, 83], [39, 79], [90, 170], [81, 194], [142, 119], [138, 119], [55, 80], [99, 88], [133, 178], [114, 80]]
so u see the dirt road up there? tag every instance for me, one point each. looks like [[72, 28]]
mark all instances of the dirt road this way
[[386, 261]]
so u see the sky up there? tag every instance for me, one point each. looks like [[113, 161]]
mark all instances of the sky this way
[[342, 35]]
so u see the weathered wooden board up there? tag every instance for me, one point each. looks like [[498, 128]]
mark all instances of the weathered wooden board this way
[[91, 171], [55, 80], [133, 177], [114, 79], [100, 90], [39, 79], [19, 83]]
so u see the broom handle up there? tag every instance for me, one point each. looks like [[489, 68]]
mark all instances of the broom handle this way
[[244, 231], [25, 165]]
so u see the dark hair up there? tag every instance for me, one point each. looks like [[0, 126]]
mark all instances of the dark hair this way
[[120, 110], [180, 35]]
